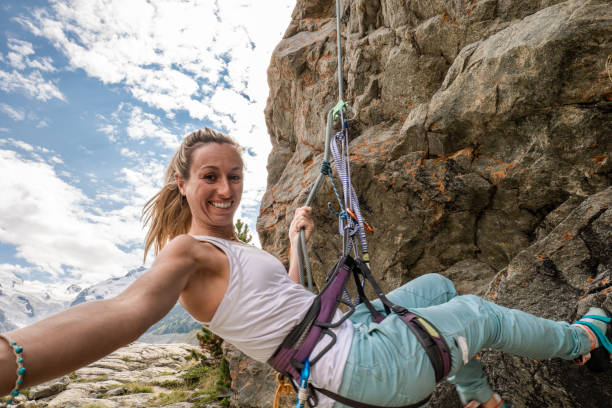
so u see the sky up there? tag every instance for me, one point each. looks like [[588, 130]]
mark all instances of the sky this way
[[95, 96]]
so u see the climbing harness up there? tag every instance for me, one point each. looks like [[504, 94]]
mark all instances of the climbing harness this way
[[293, 357], [295, 350]]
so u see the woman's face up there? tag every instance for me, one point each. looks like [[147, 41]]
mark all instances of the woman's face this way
[[214, 187]]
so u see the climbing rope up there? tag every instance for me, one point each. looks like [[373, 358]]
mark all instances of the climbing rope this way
[[350, 220]]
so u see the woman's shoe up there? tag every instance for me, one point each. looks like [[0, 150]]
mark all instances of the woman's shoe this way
[[500, 403], [598, 322]]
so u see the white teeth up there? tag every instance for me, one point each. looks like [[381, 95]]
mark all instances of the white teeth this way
[[221, 205]]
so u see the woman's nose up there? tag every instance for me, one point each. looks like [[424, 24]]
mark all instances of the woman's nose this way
[[224, 187]]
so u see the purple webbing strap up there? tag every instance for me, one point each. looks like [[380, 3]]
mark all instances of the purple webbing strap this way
[[282, 359]]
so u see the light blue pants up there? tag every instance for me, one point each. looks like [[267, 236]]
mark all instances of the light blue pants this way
[[387, 366]]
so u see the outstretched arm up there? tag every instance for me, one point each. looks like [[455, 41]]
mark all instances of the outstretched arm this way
[[301, 219], [85, 333]]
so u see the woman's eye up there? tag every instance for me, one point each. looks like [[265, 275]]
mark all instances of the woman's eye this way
[[209, 177], [236, 178]]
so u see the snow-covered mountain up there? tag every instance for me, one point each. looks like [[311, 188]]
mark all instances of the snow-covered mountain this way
[[23, 303], [108, 288]]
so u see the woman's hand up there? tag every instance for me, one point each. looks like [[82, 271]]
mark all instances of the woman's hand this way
[[302, 219]]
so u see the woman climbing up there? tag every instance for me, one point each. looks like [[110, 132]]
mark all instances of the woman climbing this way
[[246, 296]]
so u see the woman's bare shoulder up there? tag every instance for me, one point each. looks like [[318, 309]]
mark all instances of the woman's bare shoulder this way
[[185, 245]]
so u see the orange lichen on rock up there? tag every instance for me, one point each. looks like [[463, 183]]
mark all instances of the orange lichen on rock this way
[[600, 158], [503, 172], [468, 151]]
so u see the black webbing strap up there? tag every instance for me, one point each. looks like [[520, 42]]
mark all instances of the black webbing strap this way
[[414, 324], [357, 404]]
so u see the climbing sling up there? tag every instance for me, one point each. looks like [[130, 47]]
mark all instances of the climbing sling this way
[[293, 357]]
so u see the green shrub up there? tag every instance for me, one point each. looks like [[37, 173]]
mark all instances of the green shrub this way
[[210, 341], [203, 376], [224, 380]]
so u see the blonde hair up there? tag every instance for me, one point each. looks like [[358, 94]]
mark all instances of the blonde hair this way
[[167, 212]]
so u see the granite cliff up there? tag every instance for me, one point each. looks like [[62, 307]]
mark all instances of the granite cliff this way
[[481, 132]]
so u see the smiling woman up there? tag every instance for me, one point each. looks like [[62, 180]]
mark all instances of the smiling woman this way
[[216, 158]]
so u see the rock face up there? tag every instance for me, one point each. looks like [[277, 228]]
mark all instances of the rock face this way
[[133, 376], [480, 140]]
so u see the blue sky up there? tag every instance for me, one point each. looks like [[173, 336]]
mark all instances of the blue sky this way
[[94, 98]]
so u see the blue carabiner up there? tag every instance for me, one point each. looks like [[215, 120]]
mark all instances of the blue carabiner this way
[[303, 386]]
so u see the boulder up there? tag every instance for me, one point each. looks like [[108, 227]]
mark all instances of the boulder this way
[[478, 131]]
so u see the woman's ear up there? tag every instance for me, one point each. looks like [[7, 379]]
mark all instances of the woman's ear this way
[[180, 182]]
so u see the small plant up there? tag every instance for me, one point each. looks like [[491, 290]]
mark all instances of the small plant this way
[[170, 398], [202, 376], [210, 341], [224, 380], [126, 358], [242, 231], [195, 355], [92, 379], [170, 384], [138, 388]]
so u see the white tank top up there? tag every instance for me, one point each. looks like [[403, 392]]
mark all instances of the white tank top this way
[[262, 305]]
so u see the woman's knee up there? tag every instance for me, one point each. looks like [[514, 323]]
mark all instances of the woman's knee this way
[[441, 282]]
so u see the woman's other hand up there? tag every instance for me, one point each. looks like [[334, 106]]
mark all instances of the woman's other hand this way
[[302, 219]]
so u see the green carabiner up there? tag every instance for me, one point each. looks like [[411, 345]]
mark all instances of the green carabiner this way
[[340, 106]]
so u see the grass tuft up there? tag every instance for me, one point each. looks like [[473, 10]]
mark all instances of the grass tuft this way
[[138, 388], [170, 398]]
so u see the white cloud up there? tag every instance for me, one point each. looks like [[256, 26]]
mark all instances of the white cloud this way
[[18, 57], [144, 125], [19, 51], [32, 84], [109, 130], [15, 113], [42, 64], [55, 227], [171, 55], [125, 152]]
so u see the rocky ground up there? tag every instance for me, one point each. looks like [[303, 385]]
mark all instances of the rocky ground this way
[[138, 375]]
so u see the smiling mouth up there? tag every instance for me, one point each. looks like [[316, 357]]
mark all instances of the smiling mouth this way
[[220, 204]]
